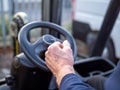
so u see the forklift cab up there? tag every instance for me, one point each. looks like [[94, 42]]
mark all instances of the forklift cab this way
[[29, 71]]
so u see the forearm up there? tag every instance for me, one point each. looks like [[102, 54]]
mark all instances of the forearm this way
[[73, 82], [64, 71]]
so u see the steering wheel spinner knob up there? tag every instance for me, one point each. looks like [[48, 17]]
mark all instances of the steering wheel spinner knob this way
[[49, 39]]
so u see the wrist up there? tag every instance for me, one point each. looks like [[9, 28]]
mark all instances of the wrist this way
[[64, 71]]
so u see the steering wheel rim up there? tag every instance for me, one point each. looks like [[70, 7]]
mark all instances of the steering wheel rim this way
[[26, 45]]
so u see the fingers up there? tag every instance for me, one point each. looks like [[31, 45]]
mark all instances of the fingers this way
[[59, 45], [55, 46], [66, 43], [53, 49], [66, 46]]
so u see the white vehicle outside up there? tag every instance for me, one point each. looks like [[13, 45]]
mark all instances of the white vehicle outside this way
[[92, 12]]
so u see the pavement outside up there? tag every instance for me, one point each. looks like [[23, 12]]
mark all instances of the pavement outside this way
[[6, 57]]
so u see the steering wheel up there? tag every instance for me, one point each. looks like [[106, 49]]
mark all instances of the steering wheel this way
[[34, 51]]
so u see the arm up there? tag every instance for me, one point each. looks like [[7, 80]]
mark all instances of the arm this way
[[113, 81], [59, 60], [73, 82]]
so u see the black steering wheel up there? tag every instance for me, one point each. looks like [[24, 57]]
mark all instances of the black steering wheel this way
[[34, 51]]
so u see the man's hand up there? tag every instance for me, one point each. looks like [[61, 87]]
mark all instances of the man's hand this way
[[59, 59]]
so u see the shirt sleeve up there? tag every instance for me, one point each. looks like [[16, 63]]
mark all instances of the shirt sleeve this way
[[73, 82], [113, 81]]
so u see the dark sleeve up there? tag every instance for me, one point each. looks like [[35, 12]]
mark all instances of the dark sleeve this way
[[73, 82], [113, 81]]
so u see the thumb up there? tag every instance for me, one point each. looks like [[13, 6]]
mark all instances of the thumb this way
[[66, 43]]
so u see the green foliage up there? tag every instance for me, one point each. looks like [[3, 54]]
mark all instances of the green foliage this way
[[6, 25]]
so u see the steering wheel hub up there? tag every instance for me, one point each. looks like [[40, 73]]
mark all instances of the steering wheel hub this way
[[48, 39]]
